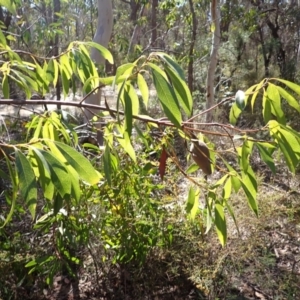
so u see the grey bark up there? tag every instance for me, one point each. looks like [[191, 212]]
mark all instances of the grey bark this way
[[210, 95]]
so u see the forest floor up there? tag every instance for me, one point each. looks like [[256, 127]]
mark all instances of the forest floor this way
[[261, 262]]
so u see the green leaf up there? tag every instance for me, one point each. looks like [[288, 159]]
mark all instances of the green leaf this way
[[167, 98], [192, 168], [290, 148], [182, 91], [79, 163], [104, 52], [13, 197], [274, 96], [65, 81], [220, 223], [192, 204], [143, 87], [3, 42], [234, 114], [291, 85], [266, 106], [256, 91], [127, 146], [59, 175], [27, 182], [45, 174], [167, 59], [266, 157], [289, 98], [107, 164], [249, 186], [227, 189], [55, 71], [128, 111], [5, 86]]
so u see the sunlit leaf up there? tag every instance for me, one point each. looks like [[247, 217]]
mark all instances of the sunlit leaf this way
[[220, 223], [289, 98], [143, 87], [192, 203], [79, 163]]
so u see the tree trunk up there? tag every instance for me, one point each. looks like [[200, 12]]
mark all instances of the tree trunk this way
[[192, 46], [136, 33], [210, 101], [55, 45], [154, 23], [102, 37]]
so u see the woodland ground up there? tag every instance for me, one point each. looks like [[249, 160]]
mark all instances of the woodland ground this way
[[263, 262], [260, 262]]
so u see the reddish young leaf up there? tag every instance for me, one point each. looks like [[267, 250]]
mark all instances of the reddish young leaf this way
[[162, 163]]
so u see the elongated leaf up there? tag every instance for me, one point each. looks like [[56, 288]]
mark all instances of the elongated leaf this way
[[5, 86], [289, 98], [256, 91], [104, 52], [266, 157], [107, 164], [220, 223], [266, 105], [167, 59], [290, 148], [182, 91], [13, 197], [128, 112], [127, 146], [234, 114], [55, 72], [167, 98], [249, 186], [143, 87], [192, 204], [274, 96], [65, 81], [2, 36], [192, 168], [27, 182], [293, 86], [45, 174], [227, 189], [59, 175], [79, 163]]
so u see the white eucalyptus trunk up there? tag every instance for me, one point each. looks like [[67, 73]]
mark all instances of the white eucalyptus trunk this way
[[102, 37], [210, 94]]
